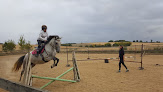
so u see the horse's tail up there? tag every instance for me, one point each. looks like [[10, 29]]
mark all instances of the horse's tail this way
[[18, 63]]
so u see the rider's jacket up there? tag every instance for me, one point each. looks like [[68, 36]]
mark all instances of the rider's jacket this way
[[43, 36]]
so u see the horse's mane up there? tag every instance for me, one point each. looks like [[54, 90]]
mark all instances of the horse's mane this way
[[51, 37]]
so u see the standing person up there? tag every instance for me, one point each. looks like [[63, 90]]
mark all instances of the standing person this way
[[42, 39], [121, 57]]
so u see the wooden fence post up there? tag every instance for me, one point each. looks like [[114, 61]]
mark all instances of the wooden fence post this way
[[141, 67], [27, 80], [76, 71]]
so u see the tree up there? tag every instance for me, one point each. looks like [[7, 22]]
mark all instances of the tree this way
[[137, 41], [140, 41], [86, 46], [115, 44], [133, 40], [8, 46], [157, 41], [67, 44], [92, 46], [107, 45], [122, 44], [27, 46], [111, 41], [151, 41], [22, 42]]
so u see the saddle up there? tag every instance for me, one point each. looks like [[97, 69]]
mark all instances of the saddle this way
[[34, 52], [42, 50]]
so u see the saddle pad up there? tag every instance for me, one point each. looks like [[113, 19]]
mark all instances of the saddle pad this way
[[35, 51]]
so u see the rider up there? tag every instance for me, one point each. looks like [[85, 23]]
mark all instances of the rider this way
[[42, 38]]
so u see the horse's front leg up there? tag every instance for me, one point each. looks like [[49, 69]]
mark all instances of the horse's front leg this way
[[55, 64]]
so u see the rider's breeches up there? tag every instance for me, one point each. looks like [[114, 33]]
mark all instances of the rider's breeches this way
[[39, 46], [39, 43]]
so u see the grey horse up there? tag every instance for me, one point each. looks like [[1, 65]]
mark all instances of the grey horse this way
[[52, 46]]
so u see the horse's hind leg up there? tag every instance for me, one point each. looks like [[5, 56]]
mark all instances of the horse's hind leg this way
[[22, 72], [33, 65]]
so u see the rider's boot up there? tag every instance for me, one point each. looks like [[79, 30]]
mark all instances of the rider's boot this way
[[37, 53]]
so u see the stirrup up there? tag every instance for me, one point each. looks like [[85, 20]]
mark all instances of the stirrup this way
[[36, 55]]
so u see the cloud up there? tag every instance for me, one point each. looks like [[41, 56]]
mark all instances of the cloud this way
[[82, 20]]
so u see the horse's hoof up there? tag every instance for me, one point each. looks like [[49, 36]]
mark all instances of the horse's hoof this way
[[51, 66]]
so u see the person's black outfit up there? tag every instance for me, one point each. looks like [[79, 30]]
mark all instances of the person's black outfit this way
[[121, 54]]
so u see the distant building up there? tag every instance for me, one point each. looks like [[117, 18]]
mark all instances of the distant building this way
[[1, 43]]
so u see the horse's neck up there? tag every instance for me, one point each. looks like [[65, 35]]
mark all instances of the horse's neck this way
[[50, 46]]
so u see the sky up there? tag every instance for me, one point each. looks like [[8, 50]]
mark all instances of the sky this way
[[82, 21]]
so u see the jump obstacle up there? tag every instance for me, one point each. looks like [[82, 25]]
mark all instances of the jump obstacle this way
[[17, 87], [28, 77], [106, 60]]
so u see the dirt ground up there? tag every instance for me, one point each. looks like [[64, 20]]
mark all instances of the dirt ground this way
[[96, 76]]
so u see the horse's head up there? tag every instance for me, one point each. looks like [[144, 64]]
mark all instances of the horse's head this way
[[55, 42]]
